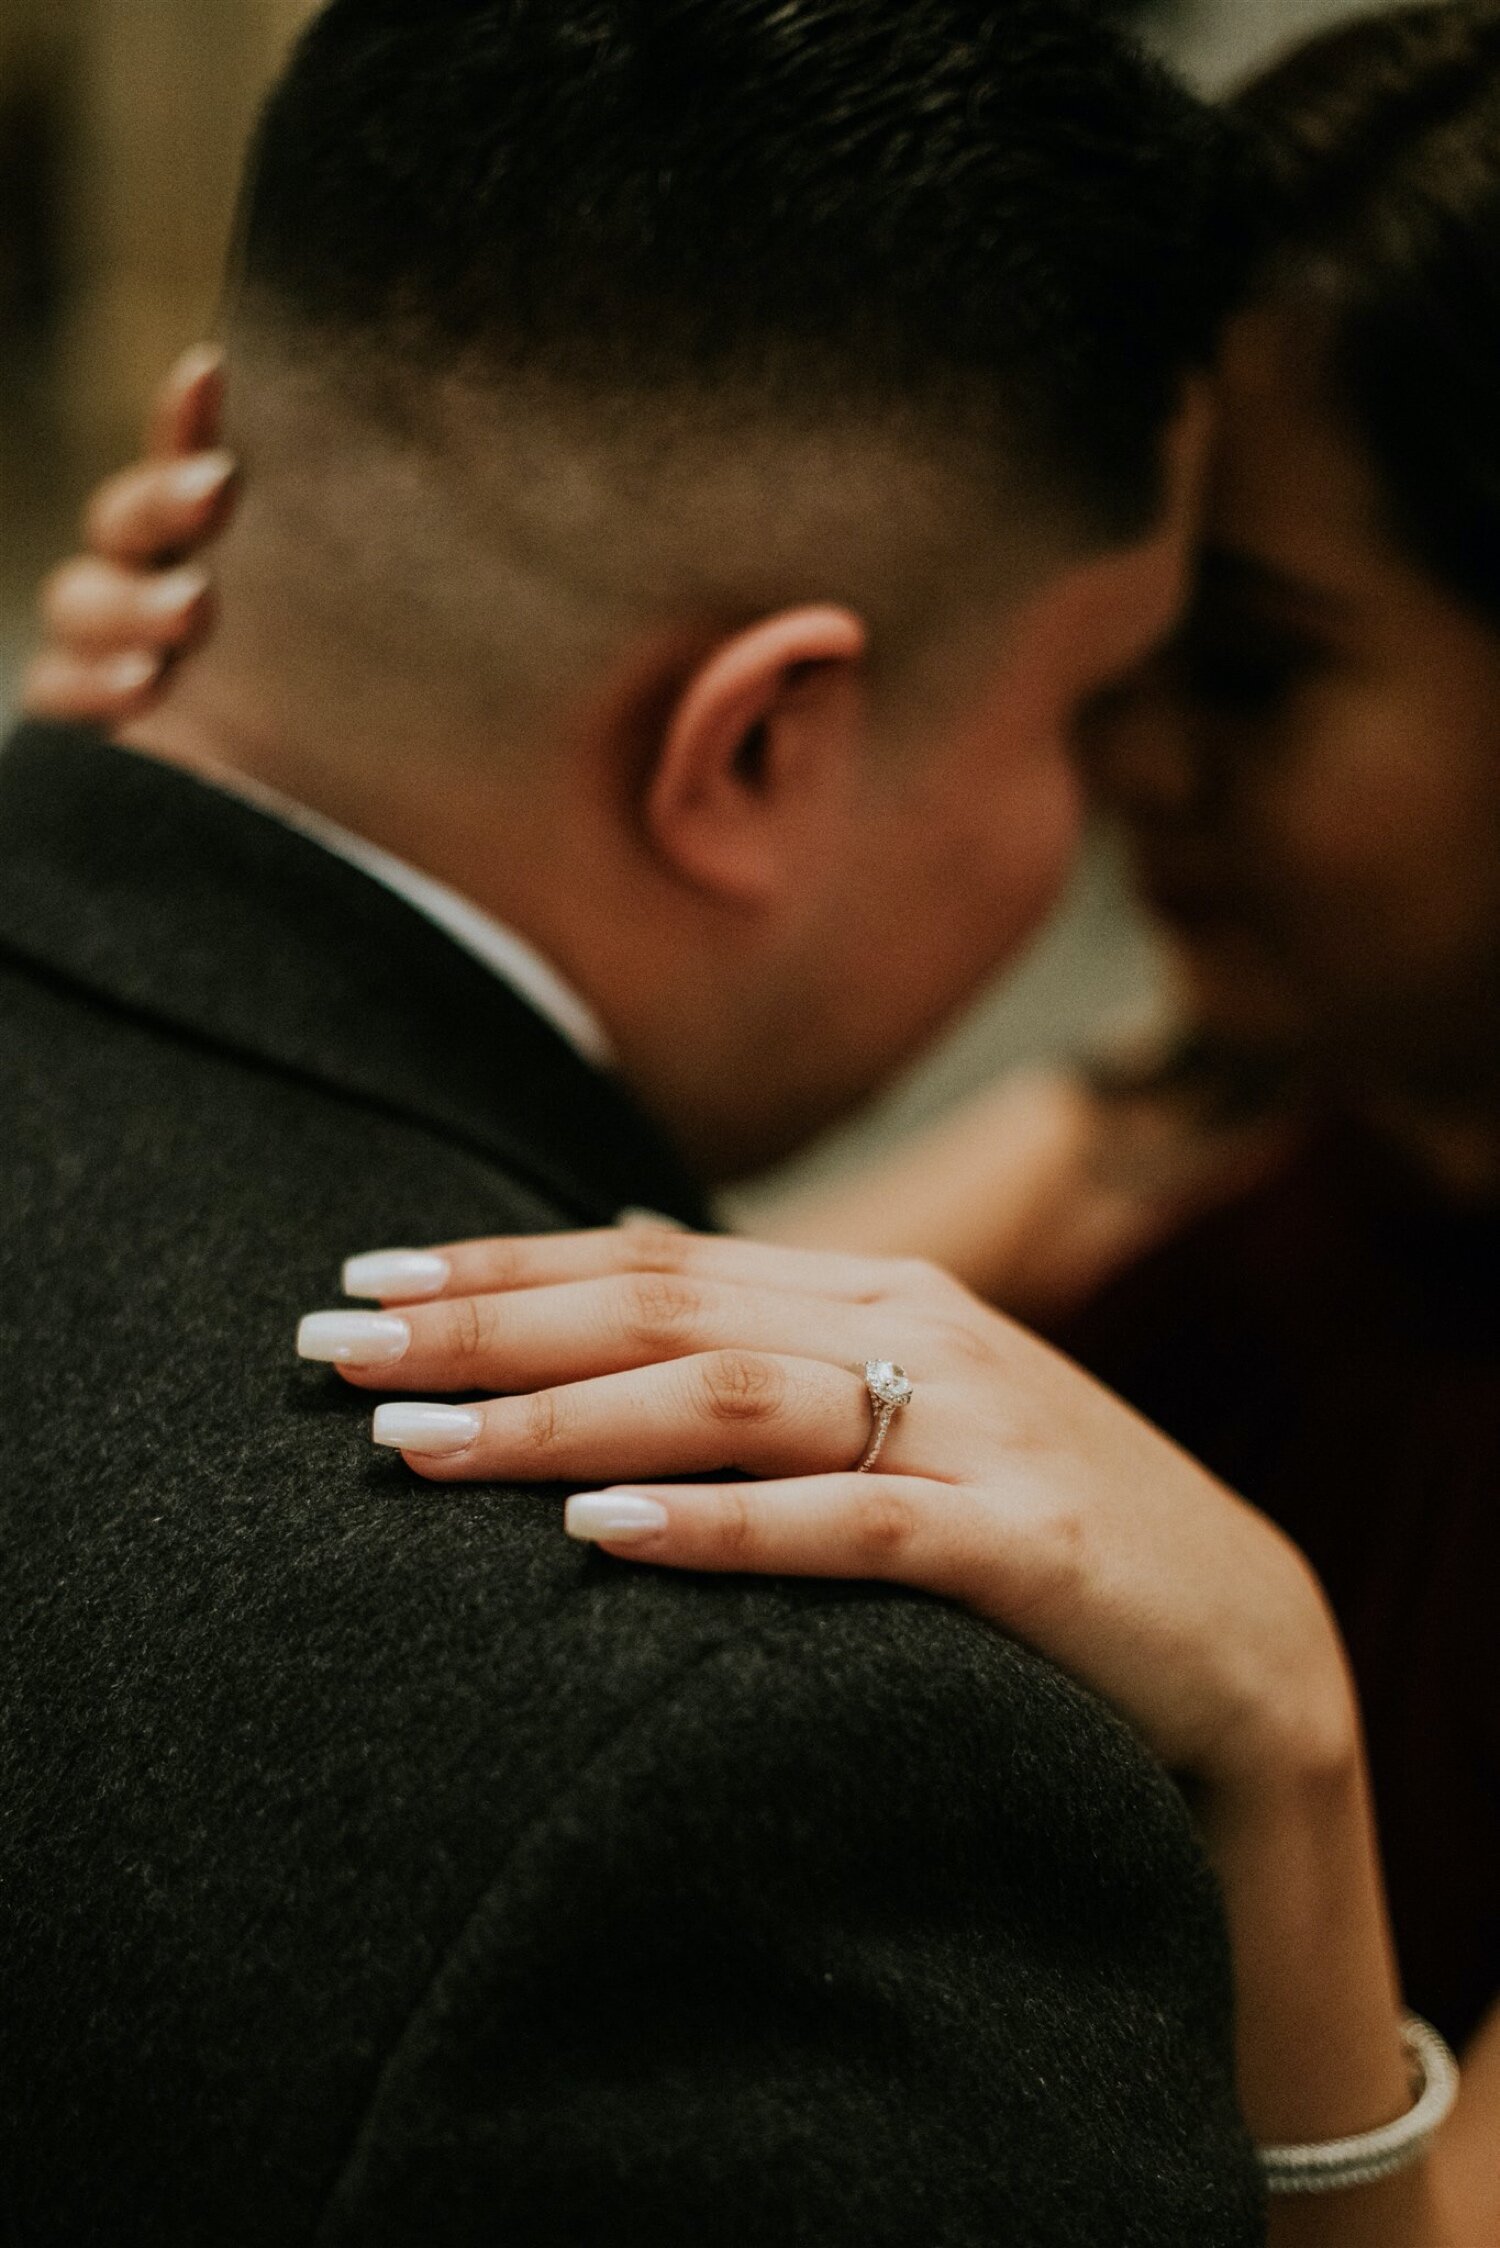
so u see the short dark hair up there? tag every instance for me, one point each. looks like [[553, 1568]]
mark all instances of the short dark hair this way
[[1001, 209], [1377, 148]]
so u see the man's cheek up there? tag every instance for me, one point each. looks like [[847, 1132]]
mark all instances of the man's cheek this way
[[1039, 845]]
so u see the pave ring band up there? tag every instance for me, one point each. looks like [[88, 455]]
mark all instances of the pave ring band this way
[[890, 1392]]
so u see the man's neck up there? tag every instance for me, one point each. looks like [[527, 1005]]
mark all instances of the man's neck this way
[[243, 753], [398, 853]]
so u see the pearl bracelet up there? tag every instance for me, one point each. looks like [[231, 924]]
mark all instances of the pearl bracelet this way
[[1373, 2155]]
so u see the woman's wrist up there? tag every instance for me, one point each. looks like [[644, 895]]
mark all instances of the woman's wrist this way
[[1289, 1742], [1284, 1807], [1320, 2012]]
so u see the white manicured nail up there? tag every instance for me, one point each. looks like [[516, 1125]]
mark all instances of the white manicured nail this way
[[179, 589], [615, 1515], [128, 675], [353, 1338], [200, 479], [407, 1275], [432, 1429]]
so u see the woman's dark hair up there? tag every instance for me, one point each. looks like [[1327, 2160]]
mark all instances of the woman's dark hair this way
[[1378, 146]]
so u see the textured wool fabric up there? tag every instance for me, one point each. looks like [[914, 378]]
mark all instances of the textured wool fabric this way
[[377, 1866]]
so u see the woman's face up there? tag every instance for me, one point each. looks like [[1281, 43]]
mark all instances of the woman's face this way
[[1311, 777]]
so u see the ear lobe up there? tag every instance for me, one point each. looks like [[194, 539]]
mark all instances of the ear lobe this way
[[749, 750]]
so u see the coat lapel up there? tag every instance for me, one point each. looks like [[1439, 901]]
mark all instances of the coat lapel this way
[[168, 897]]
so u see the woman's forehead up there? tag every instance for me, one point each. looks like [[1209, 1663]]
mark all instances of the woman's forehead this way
[[1293, 496]]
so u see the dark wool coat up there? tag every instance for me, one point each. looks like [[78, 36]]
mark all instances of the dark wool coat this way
[[376, 1866]]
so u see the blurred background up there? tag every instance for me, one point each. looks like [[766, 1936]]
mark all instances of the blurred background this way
[[121, 128]]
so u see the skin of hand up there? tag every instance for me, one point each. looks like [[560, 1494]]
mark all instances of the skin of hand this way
[[116, 618], [1010, 1483]]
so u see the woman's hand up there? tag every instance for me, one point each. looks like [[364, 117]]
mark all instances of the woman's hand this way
[[115, 619], [1011, 1483]]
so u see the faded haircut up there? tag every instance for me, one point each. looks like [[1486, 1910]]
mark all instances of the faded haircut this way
[[763, 263]]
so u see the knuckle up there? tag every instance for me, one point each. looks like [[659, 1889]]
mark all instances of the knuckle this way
[[884, 1524], [500, 1264], [1056, 1546], [660, 1310], [968, 1346], [466, 1329], [648, 1248], [739, 1387], [735, 1526], [542, 1421]]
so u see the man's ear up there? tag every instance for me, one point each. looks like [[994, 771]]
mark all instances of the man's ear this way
[[758, 753]]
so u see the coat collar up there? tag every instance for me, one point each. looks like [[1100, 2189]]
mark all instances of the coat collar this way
[[169, 897]]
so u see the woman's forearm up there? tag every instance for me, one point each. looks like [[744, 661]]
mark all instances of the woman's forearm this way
[[1012, 1193], [1320, 2013], [1469, 2160], [1034, 1194], [967, 1192]]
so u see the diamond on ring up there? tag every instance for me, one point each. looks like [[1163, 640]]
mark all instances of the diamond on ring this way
[[890, 1392]]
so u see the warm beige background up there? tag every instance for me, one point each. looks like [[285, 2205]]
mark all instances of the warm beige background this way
[[147, 105], [166, 93]]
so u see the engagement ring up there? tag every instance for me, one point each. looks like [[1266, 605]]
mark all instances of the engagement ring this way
[[890, 1392]]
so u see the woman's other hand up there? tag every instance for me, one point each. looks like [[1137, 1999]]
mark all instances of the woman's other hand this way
[[116, 618], [1042, 1189], [1011, 1482]]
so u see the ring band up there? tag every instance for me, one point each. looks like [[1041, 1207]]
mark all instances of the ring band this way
[[890, 1393]]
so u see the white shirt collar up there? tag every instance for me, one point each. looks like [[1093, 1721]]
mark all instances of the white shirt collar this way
[[487, 940]]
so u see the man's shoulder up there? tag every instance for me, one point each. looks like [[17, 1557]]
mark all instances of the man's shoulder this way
[[182, 1208], [802, 1820], [286, 1631], [877, 1713]]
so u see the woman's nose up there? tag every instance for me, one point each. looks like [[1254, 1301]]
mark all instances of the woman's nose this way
[[1138, 752]]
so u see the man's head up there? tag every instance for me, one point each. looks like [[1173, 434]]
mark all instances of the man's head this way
[[702, 453]]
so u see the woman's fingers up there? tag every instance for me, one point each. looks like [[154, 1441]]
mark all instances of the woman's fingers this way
[[93, 608], [771, 1416], [187, 413], [114, 619], [111, 635], [897, 1528], [90, 691], [518, 1262], [538, 1336], [161, 510]]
